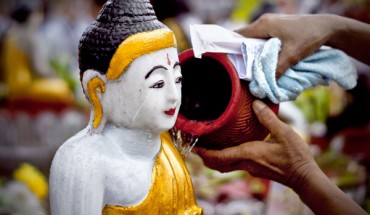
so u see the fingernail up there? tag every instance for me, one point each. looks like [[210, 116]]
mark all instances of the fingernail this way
[[258, 105]]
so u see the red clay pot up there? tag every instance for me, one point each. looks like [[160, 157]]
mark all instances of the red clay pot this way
[[216, 104]]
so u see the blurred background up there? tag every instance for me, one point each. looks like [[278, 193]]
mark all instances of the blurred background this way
[[42, 104]]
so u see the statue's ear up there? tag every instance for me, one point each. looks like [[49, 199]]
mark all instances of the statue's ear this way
[[94, 86]]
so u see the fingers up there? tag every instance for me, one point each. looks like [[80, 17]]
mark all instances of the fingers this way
[[290, 54], [284, 62], [260, 28], [254, 31], [255, 157], [226, 160], [226, 156], [215, 159]]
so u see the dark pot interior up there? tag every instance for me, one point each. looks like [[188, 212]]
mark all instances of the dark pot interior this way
[[206, 89]]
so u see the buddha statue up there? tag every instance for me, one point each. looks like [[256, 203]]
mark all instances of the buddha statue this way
[[27, 76], [124, 161]]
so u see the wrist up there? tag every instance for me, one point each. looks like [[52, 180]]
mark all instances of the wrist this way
[[322, 196], [338, 29], [304, 176]]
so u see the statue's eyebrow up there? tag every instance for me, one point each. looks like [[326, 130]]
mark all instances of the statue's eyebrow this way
[[176, 64], [153, 69]]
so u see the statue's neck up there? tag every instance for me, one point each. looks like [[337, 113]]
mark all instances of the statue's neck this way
[[136, 143]]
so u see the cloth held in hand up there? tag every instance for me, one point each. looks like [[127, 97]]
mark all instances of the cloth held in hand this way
[[320, 68]]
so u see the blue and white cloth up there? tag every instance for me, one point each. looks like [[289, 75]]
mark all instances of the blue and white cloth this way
[[320, 68]]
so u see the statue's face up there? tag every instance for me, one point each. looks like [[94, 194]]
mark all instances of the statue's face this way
[[148, 94]]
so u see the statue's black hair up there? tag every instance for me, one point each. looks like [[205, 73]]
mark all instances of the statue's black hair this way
[[117, 20]]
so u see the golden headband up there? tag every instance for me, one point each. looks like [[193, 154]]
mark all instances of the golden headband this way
[[137, 45]]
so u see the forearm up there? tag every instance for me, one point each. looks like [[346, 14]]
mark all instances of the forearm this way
[[350, 36], [322, 196]]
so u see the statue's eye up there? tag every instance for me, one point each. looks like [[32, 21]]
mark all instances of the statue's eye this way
[[179, 80], [158, 84]]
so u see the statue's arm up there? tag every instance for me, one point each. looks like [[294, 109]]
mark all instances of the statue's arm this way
[[75, 184]]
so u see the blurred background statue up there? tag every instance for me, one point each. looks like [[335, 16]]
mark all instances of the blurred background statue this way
[[27, 73]]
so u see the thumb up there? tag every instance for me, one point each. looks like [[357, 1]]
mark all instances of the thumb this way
[[266, 116]]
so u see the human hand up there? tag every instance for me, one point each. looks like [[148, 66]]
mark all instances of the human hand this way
[[300, 35], [285, 157]]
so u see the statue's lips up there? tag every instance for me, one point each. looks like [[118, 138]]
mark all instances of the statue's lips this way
[[170, 112]]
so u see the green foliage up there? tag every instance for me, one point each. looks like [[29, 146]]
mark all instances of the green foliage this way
[[63, 71], [341, 169], [315, 103]]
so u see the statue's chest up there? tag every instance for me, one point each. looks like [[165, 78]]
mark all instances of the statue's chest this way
[[127, 183]]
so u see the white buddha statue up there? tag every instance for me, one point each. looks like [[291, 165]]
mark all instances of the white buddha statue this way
[[124, 161]]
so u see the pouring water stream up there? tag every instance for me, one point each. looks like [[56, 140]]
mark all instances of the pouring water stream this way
[[184, 142]]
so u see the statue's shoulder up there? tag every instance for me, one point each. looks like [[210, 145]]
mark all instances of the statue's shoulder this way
[[75, 177], [80, 151]]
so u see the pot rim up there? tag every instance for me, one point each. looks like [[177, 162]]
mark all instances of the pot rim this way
[[198, 128]]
